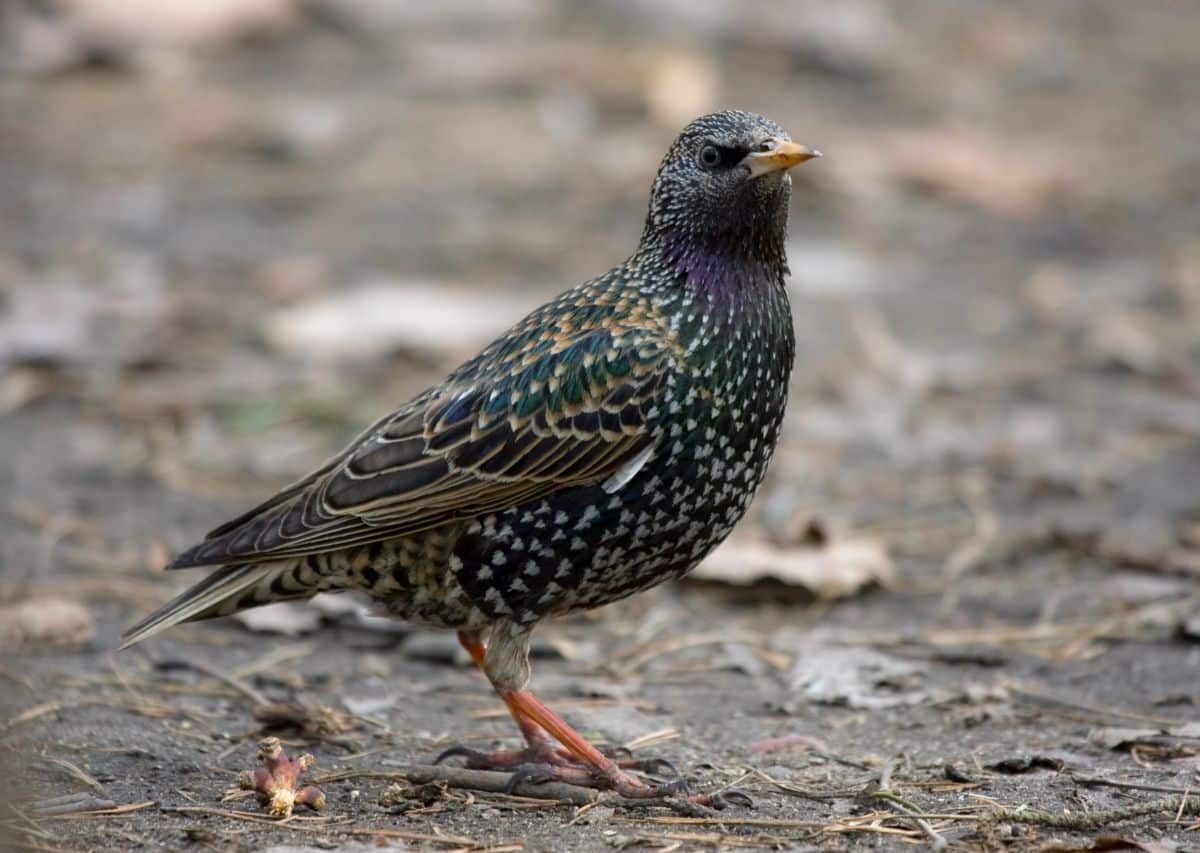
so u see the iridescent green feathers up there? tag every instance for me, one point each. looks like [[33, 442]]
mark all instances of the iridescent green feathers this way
[[565, 398]]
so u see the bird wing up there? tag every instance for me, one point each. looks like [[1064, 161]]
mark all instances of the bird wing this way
[[526, 418]]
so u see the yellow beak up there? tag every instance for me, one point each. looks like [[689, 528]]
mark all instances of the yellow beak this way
[[782, 157]]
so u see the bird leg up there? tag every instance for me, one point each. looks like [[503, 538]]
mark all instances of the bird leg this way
[[540, 747], [572, 759]]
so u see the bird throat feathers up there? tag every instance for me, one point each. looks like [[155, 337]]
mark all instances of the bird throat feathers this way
[[728, 254]]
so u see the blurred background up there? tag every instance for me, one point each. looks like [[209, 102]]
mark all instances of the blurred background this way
[[232, 232]]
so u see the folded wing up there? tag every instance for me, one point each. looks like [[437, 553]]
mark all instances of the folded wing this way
[[503, 431]]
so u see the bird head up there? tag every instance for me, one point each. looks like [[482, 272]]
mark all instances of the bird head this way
[[724, 187]]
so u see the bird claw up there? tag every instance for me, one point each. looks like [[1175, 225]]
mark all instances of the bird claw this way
[[653, 766], [459, 751], [674, 788], [534, 774], [535, 765], [674, 795], [631, 788]]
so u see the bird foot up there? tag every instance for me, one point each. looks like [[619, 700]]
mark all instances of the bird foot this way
[[542, 762], [555, 752], [673, 793], [543, 754]]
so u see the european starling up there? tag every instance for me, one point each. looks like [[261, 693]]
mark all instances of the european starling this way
[[603, 445]]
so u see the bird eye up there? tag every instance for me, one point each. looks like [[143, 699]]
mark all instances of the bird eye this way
[[769, 145], [710, 156]]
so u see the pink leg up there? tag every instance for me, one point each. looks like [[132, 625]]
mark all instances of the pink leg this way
[[554, 749]]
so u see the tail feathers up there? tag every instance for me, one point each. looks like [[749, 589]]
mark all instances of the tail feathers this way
[[228, 590]]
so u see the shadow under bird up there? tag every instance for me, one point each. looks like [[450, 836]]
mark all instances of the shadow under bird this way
[[603, 445]]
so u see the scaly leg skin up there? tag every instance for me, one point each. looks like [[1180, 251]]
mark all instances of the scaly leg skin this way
[[576, 761], [540, 749]]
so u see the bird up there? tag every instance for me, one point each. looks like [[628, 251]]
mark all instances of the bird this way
[[603, 445]]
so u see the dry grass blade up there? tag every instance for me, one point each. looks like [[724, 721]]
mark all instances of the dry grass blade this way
[[108, 812], [883, 793], [145, 709], [765, 822], [75, 772], [273, 658], [31, 714], [1128, 786], [231, 681], [405, 835], [631, 660], [651, 738], [69, 804], [293, 821]]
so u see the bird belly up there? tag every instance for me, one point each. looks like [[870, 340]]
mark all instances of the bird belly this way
[[411, 579], [585, 547]]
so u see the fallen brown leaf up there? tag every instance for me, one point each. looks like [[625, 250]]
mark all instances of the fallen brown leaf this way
[[45, 621], [834, 569]]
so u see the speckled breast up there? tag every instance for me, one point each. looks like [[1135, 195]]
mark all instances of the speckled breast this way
[[587, 546]]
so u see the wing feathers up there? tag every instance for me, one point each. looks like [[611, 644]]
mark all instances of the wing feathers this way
[[524, 426]]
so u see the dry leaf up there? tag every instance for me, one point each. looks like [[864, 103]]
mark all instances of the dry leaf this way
[[855, 677], [48, 621], [835, 569]]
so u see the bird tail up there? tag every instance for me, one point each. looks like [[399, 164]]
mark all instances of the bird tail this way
[[228, 590]]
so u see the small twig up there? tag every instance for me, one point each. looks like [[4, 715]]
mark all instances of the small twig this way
[[936, 841], [79, 805], [1094, 820], [109, 812], [474, 780], [845, 762], [789, 788], [777, 823], [70, 804], [1127, 786]]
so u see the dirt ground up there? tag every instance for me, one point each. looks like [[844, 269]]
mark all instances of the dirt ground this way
[[230, 237]]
